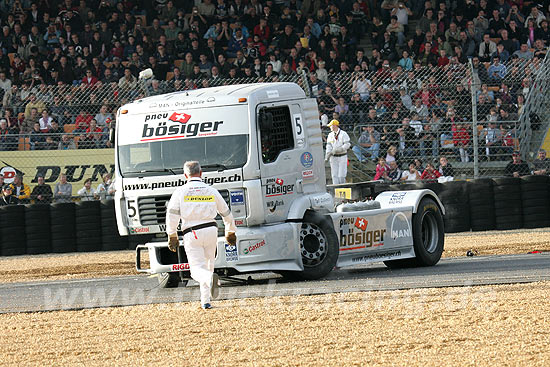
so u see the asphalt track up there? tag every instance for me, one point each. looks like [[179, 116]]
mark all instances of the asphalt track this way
[[136, 290]]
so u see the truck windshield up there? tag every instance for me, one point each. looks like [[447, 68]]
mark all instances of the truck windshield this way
[[167, 157]]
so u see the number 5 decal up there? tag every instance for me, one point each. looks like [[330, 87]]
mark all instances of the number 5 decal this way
[[299, 127], [131, 209]]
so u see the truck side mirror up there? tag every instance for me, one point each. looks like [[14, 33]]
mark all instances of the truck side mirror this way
[[112, 135], [266, 120]]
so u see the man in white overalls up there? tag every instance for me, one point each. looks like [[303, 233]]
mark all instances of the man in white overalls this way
[[197, 204], [338, 143]]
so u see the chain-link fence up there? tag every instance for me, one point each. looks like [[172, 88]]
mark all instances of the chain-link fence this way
[[469, 117], [472, 115]]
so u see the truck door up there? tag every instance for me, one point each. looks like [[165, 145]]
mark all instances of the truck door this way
[[281, 135]]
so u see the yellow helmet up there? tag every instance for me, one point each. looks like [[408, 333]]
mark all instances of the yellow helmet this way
[[334, 123]]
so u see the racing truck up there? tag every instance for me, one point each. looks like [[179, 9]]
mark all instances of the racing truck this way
[[261, 146]]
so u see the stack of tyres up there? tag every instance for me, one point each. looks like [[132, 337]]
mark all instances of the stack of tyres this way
[[88, 226], [454, 196], [508, 206], [378, 189], [482, 204], [12, 230], [403, 187], [434, 186], [535, 201], [111, 240], [37, 229], [63, 227]]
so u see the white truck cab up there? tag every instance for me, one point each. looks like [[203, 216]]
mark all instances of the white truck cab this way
[[260, 145]]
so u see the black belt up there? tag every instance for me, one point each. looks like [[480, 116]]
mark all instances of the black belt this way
[[339, 155], [199, 226]]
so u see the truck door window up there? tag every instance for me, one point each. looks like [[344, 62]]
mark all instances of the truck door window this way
[[279, 137]]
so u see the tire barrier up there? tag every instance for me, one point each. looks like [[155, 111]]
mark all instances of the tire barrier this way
[[110, 240], [63, 227], [88, 226], [488, 204], [508, 204], [37, 229], [535, 201], [454, 196], [482, 204], [12, 230]]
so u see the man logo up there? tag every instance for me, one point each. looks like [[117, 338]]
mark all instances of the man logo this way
[[400, 227]]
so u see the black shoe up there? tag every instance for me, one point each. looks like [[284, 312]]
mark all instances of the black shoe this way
[[206, 306]]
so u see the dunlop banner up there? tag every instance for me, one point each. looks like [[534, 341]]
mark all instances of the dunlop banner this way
[[78, 165]]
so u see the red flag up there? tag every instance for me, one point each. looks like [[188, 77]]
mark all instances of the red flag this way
[[180, 117], [279, 182], [361, 223]]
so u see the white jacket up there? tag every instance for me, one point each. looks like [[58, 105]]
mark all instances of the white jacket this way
[[337, 143], [196, 203]]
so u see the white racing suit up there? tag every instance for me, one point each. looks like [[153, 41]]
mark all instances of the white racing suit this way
[[337, 146], [197, 203]]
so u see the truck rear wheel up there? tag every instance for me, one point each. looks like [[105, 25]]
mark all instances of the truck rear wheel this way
[[428, 233], [428, 237], [318, 248]]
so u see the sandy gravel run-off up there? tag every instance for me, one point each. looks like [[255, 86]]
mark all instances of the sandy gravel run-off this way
[[103, 264], [505, 325]]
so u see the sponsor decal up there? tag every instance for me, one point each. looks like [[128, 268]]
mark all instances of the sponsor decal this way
[[377, 256], [180, 267], [400, 226], [77, 168], [307, 174], [199, 199], [276, 187], [180, 182], [273, 204], [354, 234], [254, 247], [231, 253], [180, 130], [272, 94], [361, 223], [239, 222], [180, 117], [8, 173], [237, 197], [306, 159], [397, 198], [135, 230]]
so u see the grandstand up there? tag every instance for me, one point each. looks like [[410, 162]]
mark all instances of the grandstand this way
[[464, 79]]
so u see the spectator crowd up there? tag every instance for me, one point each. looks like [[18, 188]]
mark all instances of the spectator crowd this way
[[66, 66], [18, 192]]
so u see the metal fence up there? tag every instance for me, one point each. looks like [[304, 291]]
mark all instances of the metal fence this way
[[473, 114]]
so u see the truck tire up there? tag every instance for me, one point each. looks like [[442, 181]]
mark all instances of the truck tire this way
[[428, 237], [428, 233], [318, 247], [168, 280]]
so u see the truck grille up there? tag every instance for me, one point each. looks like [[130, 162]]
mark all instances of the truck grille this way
[[152, 210]]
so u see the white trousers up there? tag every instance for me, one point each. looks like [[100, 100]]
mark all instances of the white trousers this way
[[201, 254], [338, 169]]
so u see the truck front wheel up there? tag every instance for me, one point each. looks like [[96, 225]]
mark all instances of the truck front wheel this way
[[168, 280], [318, 247]]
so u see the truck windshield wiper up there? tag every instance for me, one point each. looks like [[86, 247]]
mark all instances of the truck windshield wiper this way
[[171, 170], [215, 165]]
